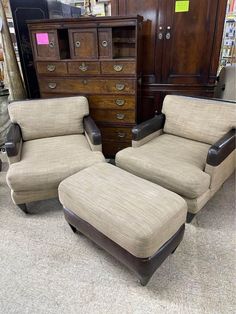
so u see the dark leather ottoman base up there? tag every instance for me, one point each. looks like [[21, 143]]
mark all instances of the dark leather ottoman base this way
[[144, 268]]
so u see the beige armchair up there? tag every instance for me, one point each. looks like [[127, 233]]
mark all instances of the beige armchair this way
[[188, 149], [49, 140]]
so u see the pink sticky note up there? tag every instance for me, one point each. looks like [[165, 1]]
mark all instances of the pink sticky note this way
[[42, 38]]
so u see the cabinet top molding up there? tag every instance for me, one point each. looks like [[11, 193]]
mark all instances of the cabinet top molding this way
[[108, 19]]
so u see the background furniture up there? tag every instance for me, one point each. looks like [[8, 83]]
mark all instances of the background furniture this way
[[42, 150], [4, 116], [140, 231], [23, 10], [194, 155], [228, 48], [180, 50], [226, 83], [98, 58]]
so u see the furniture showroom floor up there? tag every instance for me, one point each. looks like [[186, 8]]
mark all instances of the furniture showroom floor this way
[[45, 268]]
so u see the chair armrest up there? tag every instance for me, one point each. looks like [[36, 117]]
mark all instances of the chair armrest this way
[[13, 140], [221, 149], [92, 131], [148, 127]]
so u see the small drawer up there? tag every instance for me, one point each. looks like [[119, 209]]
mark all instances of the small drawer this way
[[52, 68], [114, 116], [118, 67], [110, 148], [112, 102], [83, 68], [120, 86], [118, 134]]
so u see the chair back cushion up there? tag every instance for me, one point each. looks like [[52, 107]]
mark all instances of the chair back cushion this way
[[49, 117], [198, 119]]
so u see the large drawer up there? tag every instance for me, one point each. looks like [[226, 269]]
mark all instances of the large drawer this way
[[84, 68], [86, 86], [114, 133], [51, 68], [118, 67], [112, 102], [114, 116]]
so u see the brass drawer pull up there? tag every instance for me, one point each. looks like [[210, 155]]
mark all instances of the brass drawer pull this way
[[104, 43], [83, 67], [52, 85], [51, 67], [120, 102], [77, 44], [120, 86], [51, 44], [118, 67], [120, 116], [121, 134], [85, 82]]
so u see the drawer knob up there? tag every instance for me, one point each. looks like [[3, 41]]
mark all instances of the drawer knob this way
[[120, 86], [52, 85], [118, 67], [121, 134], [85, 82], [51, 67], [120, 102], [104, 43], [120, 116], [77, 44], [83, 67], [51, 44]]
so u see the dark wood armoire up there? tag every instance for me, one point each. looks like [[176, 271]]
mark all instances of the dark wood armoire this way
[[180, 49]]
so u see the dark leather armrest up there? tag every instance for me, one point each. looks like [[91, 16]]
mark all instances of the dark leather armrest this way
[[13, 140], [92, 130], [221, 149], [148, 127]]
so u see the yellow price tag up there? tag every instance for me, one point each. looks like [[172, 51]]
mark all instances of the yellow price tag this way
[[181, 6]]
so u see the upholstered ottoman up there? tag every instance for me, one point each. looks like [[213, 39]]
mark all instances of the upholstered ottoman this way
[[138, 222]]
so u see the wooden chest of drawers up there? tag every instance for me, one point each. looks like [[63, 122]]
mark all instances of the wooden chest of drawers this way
[[97, 58]]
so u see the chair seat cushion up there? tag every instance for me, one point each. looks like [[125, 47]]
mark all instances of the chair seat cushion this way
[[136, 214], [173, 162], [46, 162]]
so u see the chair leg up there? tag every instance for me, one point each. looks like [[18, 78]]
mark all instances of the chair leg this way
[[190, 217], [144, 281], [174, 250], [23, 207], [73, 228]]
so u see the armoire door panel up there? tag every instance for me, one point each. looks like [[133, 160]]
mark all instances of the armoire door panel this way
[[188, 42]]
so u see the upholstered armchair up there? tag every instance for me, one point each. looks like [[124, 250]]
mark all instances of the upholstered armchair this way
[[49, 140], [188, 149]]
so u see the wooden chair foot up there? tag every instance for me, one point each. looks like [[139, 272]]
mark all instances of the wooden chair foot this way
[[144, 281], [73, 228], [174, 250], [23, 207], [190, 217]]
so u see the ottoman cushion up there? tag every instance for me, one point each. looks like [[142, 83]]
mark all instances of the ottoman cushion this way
[[138, 215]]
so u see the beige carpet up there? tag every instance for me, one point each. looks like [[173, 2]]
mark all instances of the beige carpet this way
[[45, 268]]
